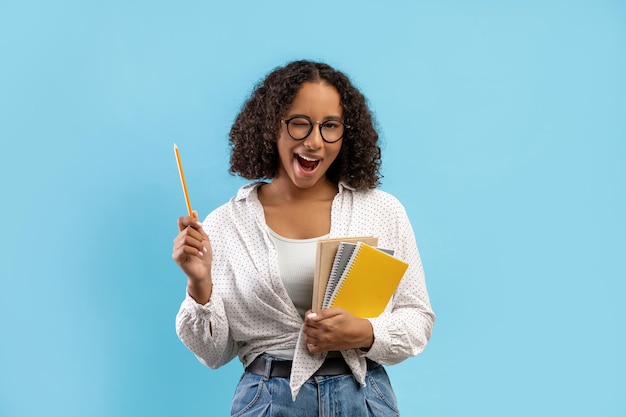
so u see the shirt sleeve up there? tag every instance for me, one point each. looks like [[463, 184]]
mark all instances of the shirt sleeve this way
[[404, 328], [204, 330]]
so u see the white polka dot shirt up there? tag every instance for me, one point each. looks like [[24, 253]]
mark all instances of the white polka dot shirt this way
[[250, 311]]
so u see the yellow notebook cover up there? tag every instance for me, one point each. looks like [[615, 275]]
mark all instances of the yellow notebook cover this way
[[368, 282], [326, 250]]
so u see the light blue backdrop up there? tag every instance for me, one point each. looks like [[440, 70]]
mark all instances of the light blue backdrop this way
[[504, 135]]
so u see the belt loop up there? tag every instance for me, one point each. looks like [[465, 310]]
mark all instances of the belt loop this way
[[268, 367]]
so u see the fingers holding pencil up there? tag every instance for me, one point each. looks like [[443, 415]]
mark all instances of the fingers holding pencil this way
[[190, 221], [192, 248]]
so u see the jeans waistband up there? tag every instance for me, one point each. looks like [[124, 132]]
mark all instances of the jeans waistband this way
[[270, 368]]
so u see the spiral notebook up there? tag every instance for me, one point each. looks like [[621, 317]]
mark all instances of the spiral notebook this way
[[342, 257], [326, 251], [367, 282]]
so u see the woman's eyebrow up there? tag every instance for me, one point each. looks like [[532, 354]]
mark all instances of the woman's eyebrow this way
[[333, 117]]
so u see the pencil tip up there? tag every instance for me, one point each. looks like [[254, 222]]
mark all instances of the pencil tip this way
[[176, 147]]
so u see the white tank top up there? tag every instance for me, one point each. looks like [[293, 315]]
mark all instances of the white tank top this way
[[296, 262]]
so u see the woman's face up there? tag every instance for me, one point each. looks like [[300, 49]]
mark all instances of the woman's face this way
[[306, 161]]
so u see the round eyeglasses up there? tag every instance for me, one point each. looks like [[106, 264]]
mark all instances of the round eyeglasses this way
[[300, 127]]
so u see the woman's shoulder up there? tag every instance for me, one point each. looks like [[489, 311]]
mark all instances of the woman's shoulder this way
[[378, 199], [237, 205]]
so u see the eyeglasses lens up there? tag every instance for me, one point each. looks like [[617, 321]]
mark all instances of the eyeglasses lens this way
[[299, 128]]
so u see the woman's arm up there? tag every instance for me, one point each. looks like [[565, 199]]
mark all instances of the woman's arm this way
[[201, 321]]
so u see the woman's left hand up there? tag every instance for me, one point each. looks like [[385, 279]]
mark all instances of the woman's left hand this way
[[336, 329]]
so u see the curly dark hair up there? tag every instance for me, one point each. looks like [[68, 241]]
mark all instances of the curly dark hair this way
[[254, 154]]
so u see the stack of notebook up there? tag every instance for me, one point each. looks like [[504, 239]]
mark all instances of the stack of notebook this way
[[353, 274]]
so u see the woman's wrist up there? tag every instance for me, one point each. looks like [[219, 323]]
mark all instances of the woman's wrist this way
[[200, 291], [368, 336]]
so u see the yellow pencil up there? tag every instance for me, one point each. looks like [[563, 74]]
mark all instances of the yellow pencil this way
[[182, 180]]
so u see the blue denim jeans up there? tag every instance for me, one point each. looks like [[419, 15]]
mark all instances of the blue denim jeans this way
[[320, 396]]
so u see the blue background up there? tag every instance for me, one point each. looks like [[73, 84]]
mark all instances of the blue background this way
[[504, 135]]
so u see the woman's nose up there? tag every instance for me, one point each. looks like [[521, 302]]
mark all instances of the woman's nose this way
[[314, 140]]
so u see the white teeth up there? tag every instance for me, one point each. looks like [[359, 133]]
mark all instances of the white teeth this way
[[308, 159]]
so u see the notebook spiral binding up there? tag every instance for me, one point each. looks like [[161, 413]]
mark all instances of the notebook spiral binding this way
[[344, 252]]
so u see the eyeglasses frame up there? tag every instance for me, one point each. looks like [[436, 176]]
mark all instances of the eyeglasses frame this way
[[312, 124]]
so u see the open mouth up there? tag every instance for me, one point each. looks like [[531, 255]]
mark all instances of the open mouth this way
[[307, 164]]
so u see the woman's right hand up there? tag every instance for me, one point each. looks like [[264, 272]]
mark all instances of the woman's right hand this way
[[192, 252]]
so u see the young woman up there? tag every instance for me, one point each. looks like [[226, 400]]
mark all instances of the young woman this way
[[307, 137]]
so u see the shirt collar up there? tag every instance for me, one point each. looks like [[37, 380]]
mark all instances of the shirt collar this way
[[245, 191], [343, 185]]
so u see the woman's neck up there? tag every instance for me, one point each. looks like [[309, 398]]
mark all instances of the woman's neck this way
[[284, 191], [298, 213]]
